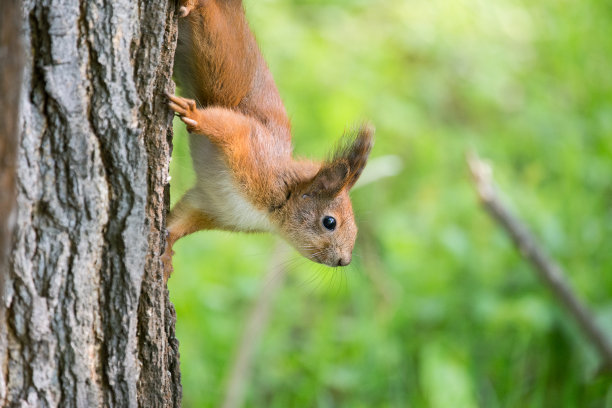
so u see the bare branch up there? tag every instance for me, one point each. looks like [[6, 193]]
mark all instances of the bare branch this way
[[545, 267]]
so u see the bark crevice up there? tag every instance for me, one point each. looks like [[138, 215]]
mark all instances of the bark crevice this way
[[88, 319]]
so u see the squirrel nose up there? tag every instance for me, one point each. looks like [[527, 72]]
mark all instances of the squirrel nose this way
[[344, 261]]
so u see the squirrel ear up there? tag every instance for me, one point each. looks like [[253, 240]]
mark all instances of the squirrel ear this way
[[330, 180], [346, 164], [354, 149]]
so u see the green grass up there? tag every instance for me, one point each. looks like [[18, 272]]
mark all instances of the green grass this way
[[437, 309]]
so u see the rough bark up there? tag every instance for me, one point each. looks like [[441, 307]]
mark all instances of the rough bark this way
[[87, 318]]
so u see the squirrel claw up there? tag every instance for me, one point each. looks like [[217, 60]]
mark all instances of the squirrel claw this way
[[186, 109], [177, 108], [189, 122]]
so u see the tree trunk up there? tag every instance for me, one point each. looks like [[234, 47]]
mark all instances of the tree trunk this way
[[87, 320]]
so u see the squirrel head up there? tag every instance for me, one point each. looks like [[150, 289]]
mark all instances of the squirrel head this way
[[319, 220]]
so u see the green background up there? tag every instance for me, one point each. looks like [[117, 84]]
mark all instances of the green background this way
[[437, 309]]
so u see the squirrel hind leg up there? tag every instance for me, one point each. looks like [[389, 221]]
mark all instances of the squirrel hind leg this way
[[166, 259], [184, 219]]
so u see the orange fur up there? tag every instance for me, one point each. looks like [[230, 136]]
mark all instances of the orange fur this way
[[247, 179]]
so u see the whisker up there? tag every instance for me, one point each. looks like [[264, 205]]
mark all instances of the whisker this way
[[276, 275], [346, 280], [314, 277], [323, 275]]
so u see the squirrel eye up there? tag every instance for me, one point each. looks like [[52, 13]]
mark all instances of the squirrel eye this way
[[329, 222]]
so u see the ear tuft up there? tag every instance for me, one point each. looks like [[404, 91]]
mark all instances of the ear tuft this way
[[345, 165], [330, 179], [354, 148]]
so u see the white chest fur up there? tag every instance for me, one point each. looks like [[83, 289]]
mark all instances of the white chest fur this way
[[236, 210], [218, 194]]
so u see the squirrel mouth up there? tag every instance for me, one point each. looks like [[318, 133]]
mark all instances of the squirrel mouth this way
[[317, 256], [318, 259]]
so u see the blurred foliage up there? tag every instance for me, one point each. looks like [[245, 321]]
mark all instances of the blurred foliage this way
[[437, 309]]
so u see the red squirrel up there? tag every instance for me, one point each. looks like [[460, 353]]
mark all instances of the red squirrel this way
[[240, 141]]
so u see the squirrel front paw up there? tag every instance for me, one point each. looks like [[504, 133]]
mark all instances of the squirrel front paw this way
[[186, 109]]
